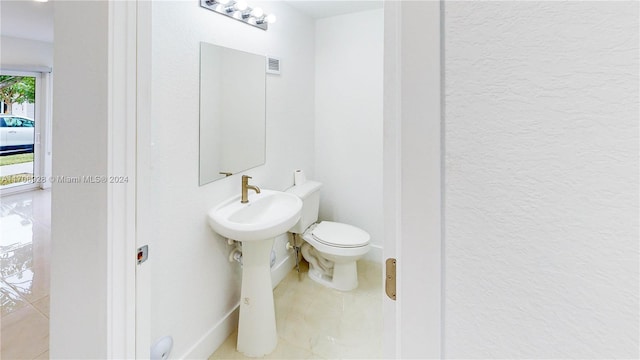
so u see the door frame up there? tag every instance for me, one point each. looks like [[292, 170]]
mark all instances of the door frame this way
[[42, 130], [143, 171], [122, 163], [412, 194], [413, 178]]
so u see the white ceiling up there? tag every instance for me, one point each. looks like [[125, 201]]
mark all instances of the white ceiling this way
[[26, 19], [318, 9]]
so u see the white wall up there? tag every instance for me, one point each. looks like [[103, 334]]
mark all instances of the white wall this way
[[78, 325], [193, 285], [541, 179], [348, 129], [25, 53]]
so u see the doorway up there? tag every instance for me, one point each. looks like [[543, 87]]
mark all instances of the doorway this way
[[22, 122], [25, 216]]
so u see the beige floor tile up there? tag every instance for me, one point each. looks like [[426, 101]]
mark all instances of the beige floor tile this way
[[228, 349], [314, 321], [15, 231], [32, 253], [43, 356], [10, 301], [32, 205], [370, 280], [41, 211], [43, 305], [16, 260], [287, 350], [25, 334], [25, 223], [284, 350], [32, 284], [41, 245]]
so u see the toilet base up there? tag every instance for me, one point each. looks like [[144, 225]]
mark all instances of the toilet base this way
[[345, 276]]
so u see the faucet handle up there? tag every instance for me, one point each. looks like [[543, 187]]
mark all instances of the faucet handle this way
[[246, 177]]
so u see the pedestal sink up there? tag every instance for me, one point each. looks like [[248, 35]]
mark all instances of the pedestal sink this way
[[256, 223]]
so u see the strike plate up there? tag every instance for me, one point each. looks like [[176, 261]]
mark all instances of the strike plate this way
[[390, 281], [142, 254]]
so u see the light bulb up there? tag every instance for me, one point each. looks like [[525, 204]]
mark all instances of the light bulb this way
[[270, 19], [240, 5], [257, 12], [252, 20]]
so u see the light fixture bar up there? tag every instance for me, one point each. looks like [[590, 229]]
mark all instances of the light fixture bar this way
[[239, 10]]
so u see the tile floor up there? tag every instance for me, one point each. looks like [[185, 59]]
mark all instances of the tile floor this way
[[315, 322], [25, 247]]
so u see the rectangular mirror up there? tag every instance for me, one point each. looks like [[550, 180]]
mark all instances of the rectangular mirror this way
[[232, 111]]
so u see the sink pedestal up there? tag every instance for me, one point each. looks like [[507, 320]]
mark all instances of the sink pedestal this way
[[257, 334], [256, 223]]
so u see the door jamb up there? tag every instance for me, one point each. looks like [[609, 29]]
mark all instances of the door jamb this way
[[121, 181], [413, 177]]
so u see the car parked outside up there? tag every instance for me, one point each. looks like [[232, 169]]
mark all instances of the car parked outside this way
[[16, 134]]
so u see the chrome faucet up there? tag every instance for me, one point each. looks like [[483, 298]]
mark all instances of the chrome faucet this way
[[246, 187]]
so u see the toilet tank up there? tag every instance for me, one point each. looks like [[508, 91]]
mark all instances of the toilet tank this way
[[309, 193]]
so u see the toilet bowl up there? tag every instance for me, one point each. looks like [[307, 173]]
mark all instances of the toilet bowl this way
[[331, 248]]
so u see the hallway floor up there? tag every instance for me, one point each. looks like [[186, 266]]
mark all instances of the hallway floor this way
[[25, 248], [315, 322]]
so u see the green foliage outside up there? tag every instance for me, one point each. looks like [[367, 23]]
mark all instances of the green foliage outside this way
[[17, 90], [16, 159]]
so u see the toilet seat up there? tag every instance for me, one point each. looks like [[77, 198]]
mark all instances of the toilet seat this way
[[340, 235]]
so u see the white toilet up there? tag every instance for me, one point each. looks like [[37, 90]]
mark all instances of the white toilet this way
[[331, 248]]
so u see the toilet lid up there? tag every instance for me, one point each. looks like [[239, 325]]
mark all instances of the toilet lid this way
[[340, 235]]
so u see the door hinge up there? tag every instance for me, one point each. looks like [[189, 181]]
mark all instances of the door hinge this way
[[390, 278], [142, 254]]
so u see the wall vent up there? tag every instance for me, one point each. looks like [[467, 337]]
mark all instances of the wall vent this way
[[273, 65]]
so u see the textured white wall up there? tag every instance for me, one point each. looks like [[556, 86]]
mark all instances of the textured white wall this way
[[193, 285], [541, 179], [348, 152]]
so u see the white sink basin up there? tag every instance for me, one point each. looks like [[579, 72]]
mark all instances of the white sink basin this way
[[265, 216]]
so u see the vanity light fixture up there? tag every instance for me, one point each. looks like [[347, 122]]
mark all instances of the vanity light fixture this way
[[239, 10], [257, 12], [237, 6]]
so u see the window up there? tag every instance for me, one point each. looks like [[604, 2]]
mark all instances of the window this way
[[17, 122]]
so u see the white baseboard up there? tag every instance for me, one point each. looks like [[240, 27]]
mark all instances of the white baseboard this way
[[214, 337], [218, 333]]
